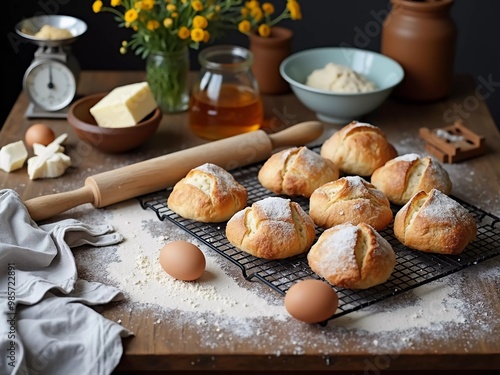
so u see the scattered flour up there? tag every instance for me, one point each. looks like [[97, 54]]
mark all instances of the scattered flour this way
[[139, 274], [434, 304]]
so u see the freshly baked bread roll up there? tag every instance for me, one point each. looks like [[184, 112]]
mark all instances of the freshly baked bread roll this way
[[352, 256], [402, 177], [208, 194], [434, 223], [272, 228], [296, 171], [358, 149], [350, 199]]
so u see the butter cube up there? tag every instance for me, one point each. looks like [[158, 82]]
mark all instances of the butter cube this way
[[124, 106], [54, 166], [13, 156]]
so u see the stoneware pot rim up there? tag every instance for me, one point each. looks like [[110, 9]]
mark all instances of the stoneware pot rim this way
[[424, 5], [278, 35]]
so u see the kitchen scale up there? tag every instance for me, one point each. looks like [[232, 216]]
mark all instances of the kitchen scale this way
[[51, 80]]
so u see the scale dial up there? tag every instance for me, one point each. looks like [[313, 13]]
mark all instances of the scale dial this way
[[50, 84]]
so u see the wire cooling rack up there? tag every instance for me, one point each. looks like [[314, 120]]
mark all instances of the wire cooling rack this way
[[413, 268]]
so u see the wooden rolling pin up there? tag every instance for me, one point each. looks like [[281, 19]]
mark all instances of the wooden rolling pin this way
[[165, 171]]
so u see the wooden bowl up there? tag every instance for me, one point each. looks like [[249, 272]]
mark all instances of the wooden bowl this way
[[109, 140]]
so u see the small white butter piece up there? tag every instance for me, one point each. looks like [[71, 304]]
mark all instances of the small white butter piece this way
[[53, 167], [124, 106], [39, 148], [13, 156]]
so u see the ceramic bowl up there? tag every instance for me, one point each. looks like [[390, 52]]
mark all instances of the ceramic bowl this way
[[109, 140], [336, 107]]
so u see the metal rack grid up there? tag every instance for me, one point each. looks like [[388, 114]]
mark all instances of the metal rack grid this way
[[413, 268]]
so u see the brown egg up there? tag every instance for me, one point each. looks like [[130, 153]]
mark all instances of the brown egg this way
[[182, 260], [311, 301], [39, 133]]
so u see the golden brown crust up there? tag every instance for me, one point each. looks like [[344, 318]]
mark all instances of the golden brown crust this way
[[402, 177], [352, 256], [208, 194], [296, 171], [352, 200], [272, 228], [358, 149], [435, 223]]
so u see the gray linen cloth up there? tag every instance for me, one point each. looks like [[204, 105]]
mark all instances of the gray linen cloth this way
[[46, 324]]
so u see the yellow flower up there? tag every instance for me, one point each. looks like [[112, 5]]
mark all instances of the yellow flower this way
[[264, 30], [206, 36], [197, 5], [124, 43], [97, 6], [252, 4], [244, 26], [167, 22], [123, 50], [174, 25], [268, 8], [294, 8], [197, 35], [148, 4], [131, 15], [183, 32], [263, 17], [256, 14], [200, 22], [152, 25]]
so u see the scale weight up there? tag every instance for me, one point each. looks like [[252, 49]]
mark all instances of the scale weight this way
[[51, 80]]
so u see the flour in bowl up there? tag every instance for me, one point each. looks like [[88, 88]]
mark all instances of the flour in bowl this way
[[339, 78]]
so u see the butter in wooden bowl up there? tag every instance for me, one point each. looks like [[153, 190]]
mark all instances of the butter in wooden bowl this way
[[117, 121], [124, 106]]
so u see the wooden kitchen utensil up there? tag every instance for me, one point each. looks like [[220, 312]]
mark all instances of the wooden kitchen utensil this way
[[453, 143], [164, 171]]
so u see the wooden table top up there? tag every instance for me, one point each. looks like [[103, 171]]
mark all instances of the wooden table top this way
[[452, 324]]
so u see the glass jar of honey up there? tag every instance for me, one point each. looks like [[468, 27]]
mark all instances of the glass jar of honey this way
[[225, 98]]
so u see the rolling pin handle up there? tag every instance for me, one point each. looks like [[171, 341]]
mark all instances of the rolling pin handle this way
[[46, 206], [296, 135]]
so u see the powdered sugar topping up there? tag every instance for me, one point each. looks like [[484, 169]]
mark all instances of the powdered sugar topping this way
[[275, 208], [442, 208], [336, 249], [225, 178], [362, 188], [407, 157]]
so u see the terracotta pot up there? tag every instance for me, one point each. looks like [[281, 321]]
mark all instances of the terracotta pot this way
[[421, 36], [268, 54]]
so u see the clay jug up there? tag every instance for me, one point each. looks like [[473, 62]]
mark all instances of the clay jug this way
[[268, 54], [421, 36]]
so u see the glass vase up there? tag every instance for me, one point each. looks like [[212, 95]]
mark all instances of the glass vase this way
[[167, 75]]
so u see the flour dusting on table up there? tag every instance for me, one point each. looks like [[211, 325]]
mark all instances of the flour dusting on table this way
[[138, 273], [141, 277], [224, 306]]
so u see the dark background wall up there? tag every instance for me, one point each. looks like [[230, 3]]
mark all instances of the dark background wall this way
[[356, 23]]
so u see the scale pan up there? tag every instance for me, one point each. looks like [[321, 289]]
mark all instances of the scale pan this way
[[28, 27]]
